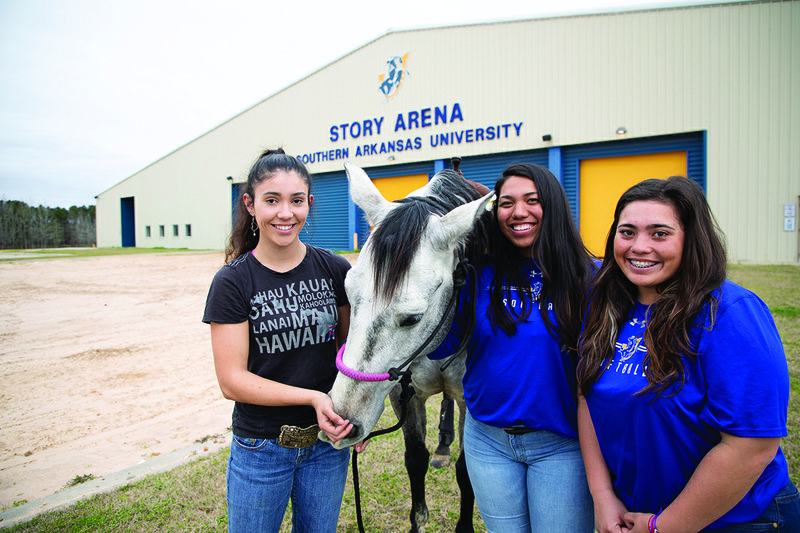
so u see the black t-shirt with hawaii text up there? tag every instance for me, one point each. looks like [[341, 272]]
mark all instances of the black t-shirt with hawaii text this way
[[292, 318]]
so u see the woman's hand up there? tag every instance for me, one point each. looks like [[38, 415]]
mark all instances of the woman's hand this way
[[610, 515], [333, 425], [638, 522]]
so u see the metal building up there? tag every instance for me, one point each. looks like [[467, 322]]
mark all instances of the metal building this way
[[603, 100]]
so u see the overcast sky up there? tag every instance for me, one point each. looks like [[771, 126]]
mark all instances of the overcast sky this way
[[95, 90]]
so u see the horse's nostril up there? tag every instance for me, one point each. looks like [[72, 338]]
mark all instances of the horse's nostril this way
[[356, 432]]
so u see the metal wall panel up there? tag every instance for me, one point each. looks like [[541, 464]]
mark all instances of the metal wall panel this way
[[692, 143], [730, 70], [425, 167], [328, 219], [488, 169]]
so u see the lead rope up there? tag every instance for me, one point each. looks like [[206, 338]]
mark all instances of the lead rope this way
[[406, 392], [465, 274], [464, 271]]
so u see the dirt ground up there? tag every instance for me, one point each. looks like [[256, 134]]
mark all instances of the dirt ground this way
[[104, 363]]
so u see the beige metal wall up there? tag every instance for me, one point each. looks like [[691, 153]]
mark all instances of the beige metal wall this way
[[730, 70]]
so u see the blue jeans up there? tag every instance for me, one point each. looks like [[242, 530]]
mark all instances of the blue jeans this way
[[782, 515], [262, 476], [532, 482]]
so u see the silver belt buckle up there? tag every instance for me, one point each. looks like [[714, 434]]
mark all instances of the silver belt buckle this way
[[296, 437]]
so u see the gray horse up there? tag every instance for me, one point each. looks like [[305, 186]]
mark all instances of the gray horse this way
[[402, 295]]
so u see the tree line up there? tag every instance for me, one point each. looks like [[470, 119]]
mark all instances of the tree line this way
[[23, 226]]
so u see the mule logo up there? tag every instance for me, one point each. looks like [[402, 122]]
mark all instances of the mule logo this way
[[536, 290], [396, 72], [536, 286], [627, 349]]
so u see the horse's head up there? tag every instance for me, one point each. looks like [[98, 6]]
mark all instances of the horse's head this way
[[401, 285]]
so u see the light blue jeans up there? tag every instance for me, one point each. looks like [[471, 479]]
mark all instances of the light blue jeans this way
[[262, 476], [533, 482]]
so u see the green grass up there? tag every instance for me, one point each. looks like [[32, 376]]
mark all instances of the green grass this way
[[192, 497], [63, 253], [189, 498], [779, 287]]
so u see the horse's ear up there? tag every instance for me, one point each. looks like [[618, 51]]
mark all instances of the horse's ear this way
[[446, 232], [366, 194]]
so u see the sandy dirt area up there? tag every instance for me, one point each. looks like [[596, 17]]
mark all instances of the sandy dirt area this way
[[104, 363]]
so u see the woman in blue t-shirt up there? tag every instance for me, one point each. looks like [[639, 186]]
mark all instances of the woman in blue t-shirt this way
[[684, 381], [520, 434]]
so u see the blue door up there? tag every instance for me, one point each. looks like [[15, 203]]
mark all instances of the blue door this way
[[127, 222]]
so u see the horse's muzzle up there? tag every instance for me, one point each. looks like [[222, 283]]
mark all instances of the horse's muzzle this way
[[356, 434]]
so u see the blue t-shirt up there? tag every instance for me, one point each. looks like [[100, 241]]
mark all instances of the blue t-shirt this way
[[738, 384], [521, 380]]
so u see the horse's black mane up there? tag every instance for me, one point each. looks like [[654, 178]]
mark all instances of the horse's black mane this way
[[396, 240]]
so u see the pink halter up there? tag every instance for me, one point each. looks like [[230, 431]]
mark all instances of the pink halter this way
[[355, 374], [461, 275]]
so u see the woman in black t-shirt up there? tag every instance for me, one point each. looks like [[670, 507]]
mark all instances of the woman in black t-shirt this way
[[278, 313]]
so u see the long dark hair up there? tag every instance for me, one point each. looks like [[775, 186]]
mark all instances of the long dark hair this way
[[560, 253], [680, 299], [242, 239]]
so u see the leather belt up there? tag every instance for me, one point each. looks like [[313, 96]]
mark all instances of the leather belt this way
[[296, 437], [518, 430]]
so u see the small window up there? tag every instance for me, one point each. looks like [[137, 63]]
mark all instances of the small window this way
[[147, 231], [161, 231], [188, 230], [174, 230]]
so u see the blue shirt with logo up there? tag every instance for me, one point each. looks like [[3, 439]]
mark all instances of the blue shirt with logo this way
[[522, 380], [738, 384]]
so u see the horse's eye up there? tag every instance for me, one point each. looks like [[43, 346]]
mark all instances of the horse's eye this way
[[410, 320]]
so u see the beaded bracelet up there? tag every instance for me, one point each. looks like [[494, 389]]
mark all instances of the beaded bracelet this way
[[651, 524]]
